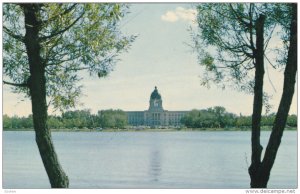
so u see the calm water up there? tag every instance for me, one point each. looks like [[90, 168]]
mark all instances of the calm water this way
[[146, 160]]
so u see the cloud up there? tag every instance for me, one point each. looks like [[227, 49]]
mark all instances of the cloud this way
[[180, 13], [170, 16]]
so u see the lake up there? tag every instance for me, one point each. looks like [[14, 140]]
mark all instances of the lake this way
[[98, 160]]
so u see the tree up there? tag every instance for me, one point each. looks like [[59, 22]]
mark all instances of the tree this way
[[189, 119], [7, 122], [244, 121], [45, 45], [239, 34], [292, 121], [214, 117], [78, 118], [224, 118], [54, 122], [268, 120], [112, 118], [285, 102]]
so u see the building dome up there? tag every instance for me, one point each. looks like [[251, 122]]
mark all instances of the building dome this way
[[155, 94]]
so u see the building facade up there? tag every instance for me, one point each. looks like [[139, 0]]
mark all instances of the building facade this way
[[155, 115]]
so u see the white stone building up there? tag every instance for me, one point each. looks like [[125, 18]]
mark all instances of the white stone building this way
[[155, 115]]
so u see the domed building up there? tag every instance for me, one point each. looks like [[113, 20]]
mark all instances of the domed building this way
[[155, 115], [155, 101]]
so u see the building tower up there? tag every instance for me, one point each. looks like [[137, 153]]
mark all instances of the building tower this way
[[155, 103], [154, 115]]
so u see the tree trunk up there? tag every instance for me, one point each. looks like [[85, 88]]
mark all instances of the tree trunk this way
[[37, 87], [285, 102], [260, 171], [254, 169]]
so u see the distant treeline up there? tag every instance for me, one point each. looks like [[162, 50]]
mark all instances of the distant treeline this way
[[218, 117], [73, 119], [215, 117]]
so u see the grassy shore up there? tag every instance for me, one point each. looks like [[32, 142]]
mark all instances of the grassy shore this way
[[264, 128]]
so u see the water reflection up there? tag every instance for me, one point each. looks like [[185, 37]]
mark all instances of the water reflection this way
[[155, 165], [145, 160]]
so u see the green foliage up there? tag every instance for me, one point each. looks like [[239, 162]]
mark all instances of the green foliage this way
[[55, 122], [7, 124], [72, 120], [215, 117], [112, 118], [78, 119], [244, 121], [226, 40], [72, 37], [218, 117], [292, 121], [268, 120], [16, 122]]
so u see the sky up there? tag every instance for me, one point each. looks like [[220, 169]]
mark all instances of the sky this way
[[160, 56]]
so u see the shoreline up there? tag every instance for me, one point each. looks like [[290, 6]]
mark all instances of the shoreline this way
[[265, 128]]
